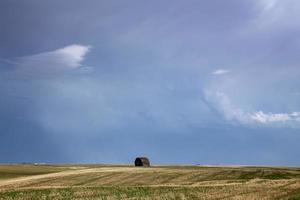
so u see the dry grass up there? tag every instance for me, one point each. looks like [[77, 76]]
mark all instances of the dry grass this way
[[161, 182]]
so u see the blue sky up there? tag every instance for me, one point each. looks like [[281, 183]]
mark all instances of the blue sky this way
[[195, 82]]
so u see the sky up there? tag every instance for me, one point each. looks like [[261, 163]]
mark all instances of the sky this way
[[181, 82]]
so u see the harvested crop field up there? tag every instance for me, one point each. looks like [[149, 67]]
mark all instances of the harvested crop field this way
[[158, 182]]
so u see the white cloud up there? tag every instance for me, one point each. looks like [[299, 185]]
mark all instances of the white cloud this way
[[221, 102], [264, 118], [220, 72], [72, 55], [60, 60]]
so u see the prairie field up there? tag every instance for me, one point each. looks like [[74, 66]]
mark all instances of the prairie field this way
[[109, 182]]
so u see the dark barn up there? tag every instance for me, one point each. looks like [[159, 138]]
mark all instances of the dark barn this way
[[142, 162]]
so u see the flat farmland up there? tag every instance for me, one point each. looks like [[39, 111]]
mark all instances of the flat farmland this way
[[26, 181]]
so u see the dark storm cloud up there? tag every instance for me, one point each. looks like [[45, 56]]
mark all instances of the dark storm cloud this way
[[208, 77]]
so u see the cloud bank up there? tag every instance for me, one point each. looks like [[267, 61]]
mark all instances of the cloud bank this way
[[151, 63]]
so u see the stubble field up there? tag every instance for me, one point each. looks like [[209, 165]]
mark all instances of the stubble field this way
[[158, 182]]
